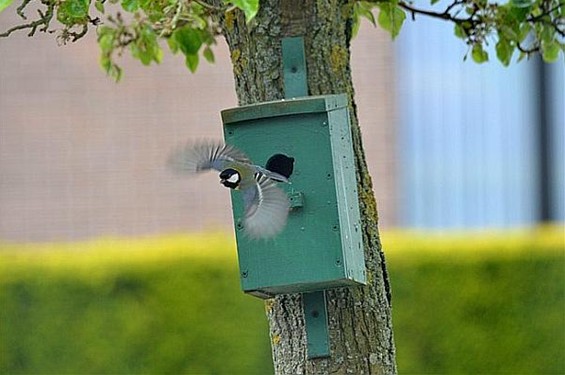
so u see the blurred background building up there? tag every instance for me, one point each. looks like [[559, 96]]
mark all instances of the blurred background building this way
[[478, 145], [450, 144]]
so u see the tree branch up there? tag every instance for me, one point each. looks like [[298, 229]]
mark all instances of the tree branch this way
[[445, 15], [43, 20], [526, 50]]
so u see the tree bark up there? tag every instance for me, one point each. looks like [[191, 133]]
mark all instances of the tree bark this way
[[360, 321]]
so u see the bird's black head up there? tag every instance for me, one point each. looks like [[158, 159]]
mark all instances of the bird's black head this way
[[230, 178]]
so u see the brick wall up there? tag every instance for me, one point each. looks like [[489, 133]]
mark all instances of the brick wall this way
[[82, 156]]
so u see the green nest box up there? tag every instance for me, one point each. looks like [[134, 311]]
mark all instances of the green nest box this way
[[321, 246]]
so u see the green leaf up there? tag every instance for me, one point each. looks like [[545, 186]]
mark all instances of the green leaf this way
[[155, 10], [192, 62], [146, 47], [356, 23], [188, 40], [99, 5], [365, 9], [158, 54], [73, 12], [547, 34], [208, 55], [130, 5], [391, 18], [460, 31], [508, 33], [249, 7], [106, 41], [550, 51], [522, 3], [139, 54], [519, 14], [115, 72], [504, 51], [524, 31], [112, 69], [521, 56], [76, 8], [478, 54], [199, 22], [362, 9], [173, 45], [4, 4]]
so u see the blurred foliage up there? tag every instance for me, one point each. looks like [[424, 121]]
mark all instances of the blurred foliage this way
[[154, 306], [514, 27], [484, 303], [490, 303], [188, 26]]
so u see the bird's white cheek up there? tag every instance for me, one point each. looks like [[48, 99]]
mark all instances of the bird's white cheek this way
[[234, 178]]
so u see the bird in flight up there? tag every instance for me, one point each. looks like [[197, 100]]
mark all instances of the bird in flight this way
[[266, 206]]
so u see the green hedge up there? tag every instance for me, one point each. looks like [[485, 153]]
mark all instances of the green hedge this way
[[172, 305], [492, 304], [136, 311]]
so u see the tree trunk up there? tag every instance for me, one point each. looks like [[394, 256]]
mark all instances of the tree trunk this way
[[360, 321]]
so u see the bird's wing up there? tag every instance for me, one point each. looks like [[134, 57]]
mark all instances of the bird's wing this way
[[272, 175], [202, 156], [266, 208]]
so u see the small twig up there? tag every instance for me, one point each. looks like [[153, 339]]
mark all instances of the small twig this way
[[527, 51], [209, 6], [80, 34], [453, 5], [413, 10], [20, 9]]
